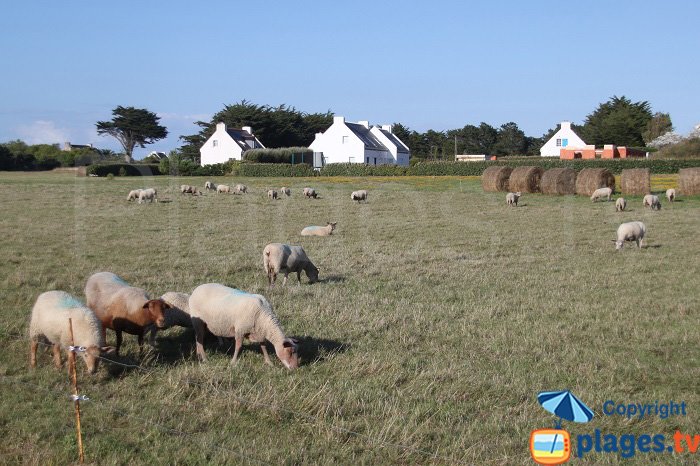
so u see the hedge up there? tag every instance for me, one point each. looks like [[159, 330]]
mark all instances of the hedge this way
[[281, 155], [272, 169], [126, 169]]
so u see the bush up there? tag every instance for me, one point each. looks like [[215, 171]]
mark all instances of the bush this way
[[116, 169], [272, 169], [289, 155]]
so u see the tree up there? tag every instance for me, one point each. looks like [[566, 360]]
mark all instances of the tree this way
[[618, 121], [511, 140], [131, 127], [659, 125]]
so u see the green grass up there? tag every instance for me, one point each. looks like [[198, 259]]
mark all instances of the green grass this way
[[443, 314]]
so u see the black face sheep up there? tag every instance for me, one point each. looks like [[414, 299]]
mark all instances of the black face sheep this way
[[49, 325], [620, 204], [671, 195], [122, 307], [630, 231], [651, 200], [512, 199], [286, 191], [210, 186], [227, 312], [272, 194], [318, 230], [358, 196], [310, 192], [600, 193], [283, 258]]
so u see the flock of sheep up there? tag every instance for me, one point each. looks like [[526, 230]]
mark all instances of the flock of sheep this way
[[629, 231]]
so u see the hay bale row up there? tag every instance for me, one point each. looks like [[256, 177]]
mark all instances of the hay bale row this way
[[635, 181], [495, 179], [525, 179], [590, 179], [689, 181], [559, 181]]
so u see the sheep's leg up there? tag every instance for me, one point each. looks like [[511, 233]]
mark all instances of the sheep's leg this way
[[198, 326], [140, 343], [119, 341], [152, 335], [299, 277], [32, 353], [57, 355], [263, 348], [284, 282], [237, 350]]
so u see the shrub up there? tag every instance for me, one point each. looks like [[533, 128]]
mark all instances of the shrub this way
[[125, 168], [291, 155], [272, 169]]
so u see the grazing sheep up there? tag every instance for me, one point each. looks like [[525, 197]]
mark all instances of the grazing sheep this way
[[630, 231], [278, 257], [187, 189], [512, 198], [601, 192], [310, 192], [149, 195], [227, 312], [651, 200], [177, 315], [49, 324], [671, 195], [286, 191], [240, 189], [122, 307], [133, 195], [358, 196], [620, 204], [210, 186], [223, 188], [272, 194], [319, 231]]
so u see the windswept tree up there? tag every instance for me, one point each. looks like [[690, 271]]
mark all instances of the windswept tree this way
[[618, 121], [132, 127]]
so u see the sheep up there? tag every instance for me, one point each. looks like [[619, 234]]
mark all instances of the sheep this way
[[620, 204], [278, 257], [133, 194], [671, 195], [49, 324], [187, 189], [227, 312], [512, 198], [651, 200], [601, 192], [177, 315], [286, 191], [223, 188], [149, 195], [630, 231], [210, 186], [272, 194], [240, 189], [122, 307], [358, 196], [319, 231], [310, 192]]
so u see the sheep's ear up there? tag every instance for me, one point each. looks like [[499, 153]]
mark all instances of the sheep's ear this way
[[107, 349], [146, 305], [289, 343]]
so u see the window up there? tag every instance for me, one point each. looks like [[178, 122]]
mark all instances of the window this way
[[215, 143], [564, 142], [345, 139], [558, 142]]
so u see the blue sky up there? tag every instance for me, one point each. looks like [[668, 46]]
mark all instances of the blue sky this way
[[428, 65]]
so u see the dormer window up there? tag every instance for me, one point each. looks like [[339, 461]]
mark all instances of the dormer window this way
[[558, 142]]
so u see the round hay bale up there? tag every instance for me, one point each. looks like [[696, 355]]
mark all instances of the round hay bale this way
[[635, 181], [559, 181], [495, 179], [525, 179], [689, 181], [590, 179]]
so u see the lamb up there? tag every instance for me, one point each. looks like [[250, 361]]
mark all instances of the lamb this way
[[240, 189], [49, 324], [358, 196], [286, 191], [209, 186], [149, 195], [318, 230], [133, 194], [630, 231], [227, 312], [601, 192], [620, 204], [512, 198], [223, 188], [651, 200], [278, 257], [310, 192], [122, 307], [272, 194], [671, 195]]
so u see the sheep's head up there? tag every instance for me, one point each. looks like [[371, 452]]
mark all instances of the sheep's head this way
[[93, 354], [156, 310], [619, 244], [288, 353], [332, 224], [312, 273]]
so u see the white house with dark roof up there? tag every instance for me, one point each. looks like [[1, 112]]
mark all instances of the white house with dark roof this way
[[228, 143], [345, 142], [565, 138]]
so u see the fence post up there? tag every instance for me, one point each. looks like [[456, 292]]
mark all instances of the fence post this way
[[74, 378]]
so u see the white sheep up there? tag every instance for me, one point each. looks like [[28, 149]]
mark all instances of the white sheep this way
[[671, 195], [601, 192], [210, 186], [231, 313], [283, 258], [133, 195], [310, 192], [223, 188], [188, 189], [122, 307], [630, 231], [149, 195], [318, 230], [286, 191], [620, 204], [651, 200], [272, 194], [240, 189], [177, 315], [49, 325], [512, 199], [358, 196]]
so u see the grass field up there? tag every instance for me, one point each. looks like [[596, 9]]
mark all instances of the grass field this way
[[440, 315]]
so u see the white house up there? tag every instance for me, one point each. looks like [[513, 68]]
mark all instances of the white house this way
[[564, 138], [228, 143], [345, 142]]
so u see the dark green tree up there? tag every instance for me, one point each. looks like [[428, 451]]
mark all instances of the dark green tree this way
[[659, 125], [132, 127], [618, 121], [510, 140]]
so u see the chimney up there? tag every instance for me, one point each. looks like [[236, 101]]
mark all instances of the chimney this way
[[364, 123], [338, 119], [565, 125], [247, 129], [221, 126], [387, 128]]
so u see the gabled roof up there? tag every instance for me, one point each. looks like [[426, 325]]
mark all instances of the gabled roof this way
[[394, 140], [367, 138], [242, 138]]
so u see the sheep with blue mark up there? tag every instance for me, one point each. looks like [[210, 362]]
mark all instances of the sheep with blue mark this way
[[315, 230]]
